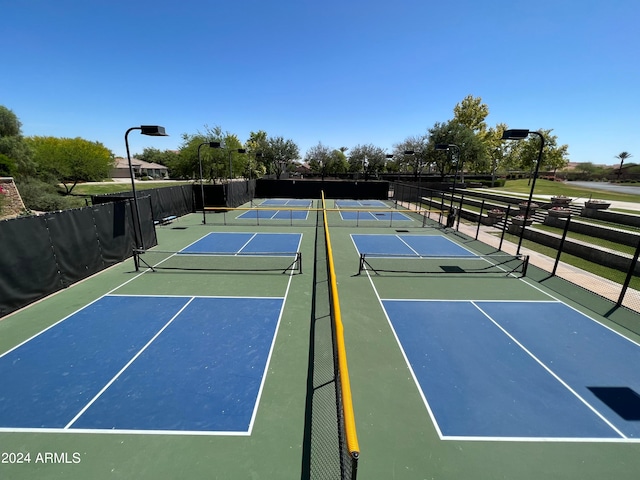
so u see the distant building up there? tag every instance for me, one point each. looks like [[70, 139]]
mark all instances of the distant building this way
[[140, 169]]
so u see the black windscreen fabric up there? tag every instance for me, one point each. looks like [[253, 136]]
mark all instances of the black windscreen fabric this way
[[213, 196], [115, 231], [146, 222], [184, 200], [166, 201], [29, 270], [240, 192], [169, 201], [75, 244]]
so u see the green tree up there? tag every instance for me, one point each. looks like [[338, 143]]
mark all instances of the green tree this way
[[495, 149], [13, 146], [473, 152], [10, 126], [214, 160], [318, 158], [622, 156], [258, 162], [368, 159], [524, 153], [154, 155], [471, 113], [7, 166], [411, 155], [338, 162], [280, 154], [70, 160]]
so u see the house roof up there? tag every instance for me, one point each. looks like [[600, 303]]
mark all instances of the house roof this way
[[123, 163]]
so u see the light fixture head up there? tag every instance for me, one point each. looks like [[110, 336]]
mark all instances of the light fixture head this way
[[515, 134], [442, 146], [153, 131]]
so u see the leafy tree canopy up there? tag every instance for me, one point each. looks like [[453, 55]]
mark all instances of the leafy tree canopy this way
[[368, 159], [10, 126], [70, 160], [471, 113]]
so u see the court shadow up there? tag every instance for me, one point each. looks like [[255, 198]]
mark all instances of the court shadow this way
[[622, 400]]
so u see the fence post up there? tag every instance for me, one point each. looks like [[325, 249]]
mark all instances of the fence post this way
[[480, 218], [561, 246], [504, 227], [459, 212], [627, 280]]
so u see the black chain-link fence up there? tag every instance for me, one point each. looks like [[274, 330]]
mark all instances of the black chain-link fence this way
[[594, 249]]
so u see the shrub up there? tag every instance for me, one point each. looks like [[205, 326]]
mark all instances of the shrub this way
[[41, 196]]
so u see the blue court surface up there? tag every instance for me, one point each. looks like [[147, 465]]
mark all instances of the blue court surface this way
[[361, 203], [511, 370], [363, 215], [359, 211], [144, 364], [286, 202], [263, 212], [408, 245], [246, 243]]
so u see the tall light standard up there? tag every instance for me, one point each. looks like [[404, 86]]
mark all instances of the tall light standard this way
[[152, 131], [521, 134], [447, 147], [211, 145]]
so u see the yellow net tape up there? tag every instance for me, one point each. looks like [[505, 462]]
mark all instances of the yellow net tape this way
[[347, 402]]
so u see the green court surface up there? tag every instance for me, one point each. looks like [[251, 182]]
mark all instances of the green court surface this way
[[397, 434]]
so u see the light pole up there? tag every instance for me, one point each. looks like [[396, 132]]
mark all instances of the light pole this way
[[521, 134], [152, 131], [447, 147], [211, 145]]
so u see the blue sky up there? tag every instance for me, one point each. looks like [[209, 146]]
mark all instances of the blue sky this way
[[338, 72]]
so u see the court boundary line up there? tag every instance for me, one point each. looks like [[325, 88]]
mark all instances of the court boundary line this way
[[551, 372], [126, 366], [373, 217], [271, 349], [637, 343], [623, 438], [67, 430]]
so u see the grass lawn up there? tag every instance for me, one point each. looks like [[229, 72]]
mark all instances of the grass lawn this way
[[103, 188], [549, 187], [600, 242]]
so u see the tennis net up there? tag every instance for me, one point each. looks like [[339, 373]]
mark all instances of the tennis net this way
[[283, 262], [498, 264]]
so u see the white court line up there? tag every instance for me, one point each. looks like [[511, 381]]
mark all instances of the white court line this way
[[551, 372], [122, 370]]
